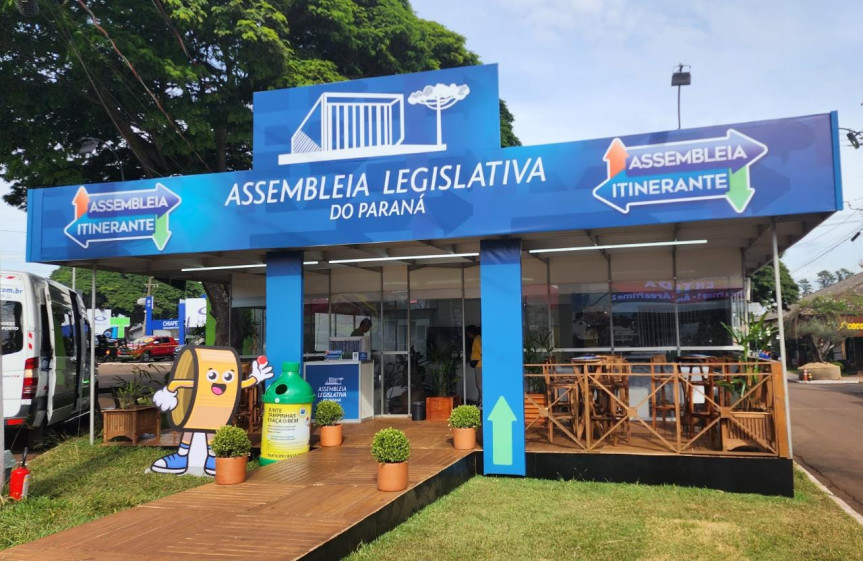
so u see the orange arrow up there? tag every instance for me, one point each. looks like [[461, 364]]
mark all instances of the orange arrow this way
[[616, 157], [80, 201]]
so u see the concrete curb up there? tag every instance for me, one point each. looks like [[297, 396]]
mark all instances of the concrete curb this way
[[842, 504]]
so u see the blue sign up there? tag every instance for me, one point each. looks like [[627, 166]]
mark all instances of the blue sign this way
[[339, 383], [455, 110], [122, 215], [769, 168], [166, 324]]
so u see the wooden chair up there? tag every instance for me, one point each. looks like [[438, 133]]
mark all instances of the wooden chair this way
[[249, 413], [664, 399], [562, 395], [699, 396]]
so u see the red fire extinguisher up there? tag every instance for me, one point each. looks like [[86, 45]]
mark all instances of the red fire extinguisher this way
[[19, 481]]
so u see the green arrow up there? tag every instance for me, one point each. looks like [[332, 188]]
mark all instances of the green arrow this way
[[162, 233], [739, 191], [501, 418]]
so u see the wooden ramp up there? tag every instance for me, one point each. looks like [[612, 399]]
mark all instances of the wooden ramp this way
[[320, 505]]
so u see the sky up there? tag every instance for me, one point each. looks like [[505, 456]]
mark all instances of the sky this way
[[582, 69]]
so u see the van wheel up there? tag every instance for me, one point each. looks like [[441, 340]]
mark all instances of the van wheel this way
[[145, 357]]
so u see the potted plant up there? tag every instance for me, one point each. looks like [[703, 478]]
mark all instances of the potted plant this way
[[441, 382], [328, 415], [391, 450], [464, 420], [134, 415], [231, 446]]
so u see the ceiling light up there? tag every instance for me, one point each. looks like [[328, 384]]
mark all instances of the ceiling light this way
[[403, 258], [226, 267], [617, 246]]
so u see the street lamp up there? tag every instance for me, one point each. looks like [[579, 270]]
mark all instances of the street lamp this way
[[853, 137], [680, 78], [90, 144]]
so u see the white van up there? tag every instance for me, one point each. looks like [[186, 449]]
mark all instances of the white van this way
[[45, 338]]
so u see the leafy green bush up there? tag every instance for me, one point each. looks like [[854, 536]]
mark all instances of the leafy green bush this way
[[465, 417], [390, 446], [328, 413], [231, 442]]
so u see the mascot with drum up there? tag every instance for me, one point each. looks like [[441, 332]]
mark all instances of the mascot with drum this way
[[202, 394]]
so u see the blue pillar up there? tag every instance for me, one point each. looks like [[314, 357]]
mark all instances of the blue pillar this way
[[181, 317], [502, 356], [148, 315], [284, 308]]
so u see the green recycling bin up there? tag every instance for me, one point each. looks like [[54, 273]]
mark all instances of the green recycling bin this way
[[287, 415]]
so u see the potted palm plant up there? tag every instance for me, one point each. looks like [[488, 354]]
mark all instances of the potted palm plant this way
[[464, 420], [328, 415], [441, 382], [231, 446], [391, 450]]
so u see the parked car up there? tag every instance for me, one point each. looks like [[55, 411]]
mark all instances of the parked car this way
[[149, 348]]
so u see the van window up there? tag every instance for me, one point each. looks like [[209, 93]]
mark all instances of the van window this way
[[64, 325], [11, 327]]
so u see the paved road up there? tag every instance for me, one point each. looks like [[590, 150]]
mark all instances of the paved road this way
[[112, 374], [827, 436]]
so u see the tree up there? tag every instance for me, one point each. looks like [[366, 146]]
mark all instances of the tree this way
[[818, 321], [805, 287], [825, 278], [763, 286], [120, 292], [843, 274], [167, 86]]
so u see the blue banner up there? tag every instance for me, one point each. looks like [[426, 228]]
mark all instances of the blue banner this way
[[339, 383], [768, 168]]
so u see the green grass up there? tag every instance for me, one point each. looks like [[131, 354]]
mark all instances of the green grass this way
[[486, 518], [75, 482], [504, 518]]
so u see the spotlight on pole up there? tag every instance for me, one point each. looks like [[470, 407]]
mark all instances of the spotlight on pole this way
[[680, 78]]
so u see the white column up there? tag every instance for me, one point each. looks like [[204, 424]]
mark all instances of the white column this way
[[781, 323]]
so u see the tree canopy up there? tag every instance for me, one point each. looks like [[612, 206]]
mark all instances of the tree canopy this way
[[764, 286], [120, 292], [165, 87]]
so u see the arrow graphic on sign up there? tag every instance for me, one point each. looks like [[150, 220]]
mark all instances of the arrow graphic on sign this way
[[501, 419], [676, 172], [123, 215]]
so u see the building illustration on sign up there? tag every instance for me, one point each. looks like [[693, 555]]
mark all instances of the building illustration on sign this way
[[360, 125], [677, 172], [122, 215]]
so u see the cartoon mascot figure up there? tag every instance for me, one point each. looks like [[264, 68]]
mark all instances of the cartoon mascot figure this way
[[202, 394]]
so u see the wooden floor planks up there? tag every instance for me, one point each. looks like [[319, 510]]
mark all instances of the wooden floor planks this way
[[283, 511]]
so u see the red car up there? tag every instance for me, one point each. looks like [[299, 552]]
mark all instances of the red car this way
[[149, 348]]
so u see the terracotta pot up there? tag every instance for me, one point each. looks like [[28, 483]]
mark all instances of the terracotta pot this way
[[393, 477], [464, 439], [230, 471], [438, 408], [331, 435]]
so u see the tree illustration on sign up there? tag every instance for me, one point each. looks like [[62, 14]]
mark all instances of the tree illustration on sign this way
[[439, 97]]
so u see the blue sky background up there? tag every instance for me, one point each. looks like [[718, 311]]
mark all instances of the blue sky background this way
[[580, 69]]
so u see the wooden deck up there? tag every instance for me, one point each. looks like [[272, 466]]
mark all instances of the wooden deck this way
[[308, 506]]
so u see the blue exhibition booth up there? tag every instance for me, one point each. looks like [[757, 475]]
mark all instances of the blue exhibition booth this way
[[391, 199]]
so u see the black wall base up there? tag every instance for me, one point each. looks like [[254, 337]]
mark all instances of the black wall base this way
[[398, 511], [765, 476]]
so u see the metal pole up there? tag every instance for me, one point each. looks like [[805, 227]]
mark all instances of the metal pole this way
[[93, 355], [2, 425], [781, 323], [678, 107]]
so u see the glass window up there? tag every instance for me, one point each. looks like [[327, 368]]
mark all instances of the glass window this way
[[11, 326], [356, 295], [535, 301], [642, 299], [706, 296], [580, 302]]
